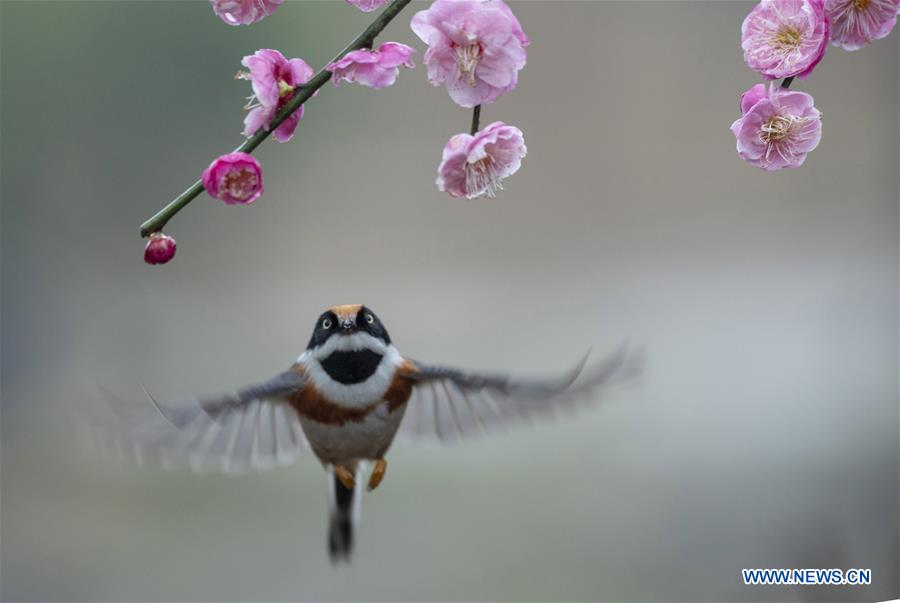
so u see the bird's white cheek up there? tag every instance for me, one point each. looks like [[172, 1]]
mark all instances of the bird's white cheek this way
[[347, 343]]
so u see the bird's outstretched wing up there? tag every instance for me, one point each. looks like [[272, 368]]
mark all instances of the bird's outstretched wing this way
[[449, 404], [252, 428]]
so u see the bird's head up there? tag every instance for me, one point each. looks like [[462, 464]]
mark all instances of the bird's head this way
[[349, 345], [354, 326]]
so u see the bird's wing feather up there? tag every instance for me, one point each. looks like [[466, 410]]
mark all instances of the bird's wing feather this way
[[449, 404], [252, 428]]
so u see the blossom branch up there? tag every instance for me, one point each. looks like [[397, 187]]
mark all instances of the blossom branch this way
[[303, 93], [784, 40], [476, 117]]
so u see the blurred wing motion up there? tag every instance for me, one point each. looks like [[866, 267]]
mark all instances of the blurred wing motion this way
[[450, 404], [253, 428]]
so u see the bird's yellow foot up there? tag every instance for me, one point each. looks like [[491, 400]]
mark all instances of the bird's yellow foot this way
[[345, 475], [377, 474]]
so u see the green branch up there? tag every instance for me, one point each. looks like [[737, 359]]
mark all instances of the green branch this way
[[476, 118], [301, 95]]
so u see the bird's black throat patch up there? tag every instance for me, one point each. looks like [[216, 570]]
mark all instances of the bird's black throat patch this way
[[351, 367]]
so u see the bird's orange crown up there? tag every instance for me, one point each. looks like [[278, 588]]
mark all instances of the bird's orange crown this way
[[346, 312]]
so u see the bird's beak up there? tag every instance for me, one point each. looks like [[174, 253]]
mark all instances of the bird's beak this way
[[348, 326]]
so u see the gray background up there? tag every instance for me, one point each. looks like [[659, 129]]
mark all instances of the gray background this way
[[764, 434]]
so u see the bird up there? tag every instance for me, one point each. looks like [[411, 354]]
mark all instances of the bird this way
[[346, 398]]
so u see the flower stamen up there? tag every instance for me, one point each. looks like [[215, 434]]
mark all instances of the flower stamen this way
[[252, 103], [482, 178], [776, 129], [241, 183], [467, 58], [284, 89], [787, 38]]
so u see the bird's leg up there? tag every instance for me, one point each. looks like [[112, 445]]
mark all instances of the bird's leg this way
[[377, 474], [345, 475]]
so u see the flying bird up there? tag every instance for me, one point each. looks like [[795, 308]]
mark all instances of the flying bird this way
[[346, 397]]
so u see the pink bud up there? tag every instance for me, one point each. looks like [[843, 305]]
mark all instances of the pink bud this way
[[235, 178], [160, 249]]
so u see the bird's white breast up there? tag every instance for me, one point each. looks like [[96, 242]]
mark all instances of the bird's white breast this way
[[365, 439]]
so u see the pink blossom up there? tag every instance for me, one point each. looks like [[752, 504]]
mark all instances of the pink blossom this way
[[753, 96], [855, 23], [372, 68], [160, 249], [516, 26], [367, 6], [274, 79], [473, 166], [235, 178], [785, 38], [777, 128], [475, 47], [244, 12]]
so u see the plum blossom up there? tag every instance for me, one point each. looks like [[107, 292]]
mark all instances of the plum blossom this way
[[372, 68], [785, 38], [244, 12], [367, 6], [235, 178], [855, 23], [473, 166], [160, 249], [777, 128], [475, 47], [753, 96], [274, 79]]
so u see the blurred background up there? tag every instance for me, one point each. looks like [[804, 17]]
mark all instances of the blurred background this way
[[763, 434]]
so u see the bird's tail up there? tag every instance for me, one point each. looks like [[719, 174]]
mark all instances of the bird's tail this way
[[343, 514]]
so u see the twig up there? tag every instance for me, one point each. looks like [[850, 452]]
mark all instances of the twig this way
[[301, 95]]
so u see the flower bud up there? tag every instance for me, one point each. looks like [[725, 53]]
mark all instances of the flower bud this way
[[160, 249], [235, 178]]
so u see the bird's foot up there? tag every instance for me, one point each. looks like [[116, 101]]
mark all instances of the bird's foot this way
[[345, 475], [377, 474]]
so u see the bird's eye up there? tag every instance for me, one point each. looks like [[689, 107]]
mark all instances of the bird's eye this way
[[326, 324], [370, 319]]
